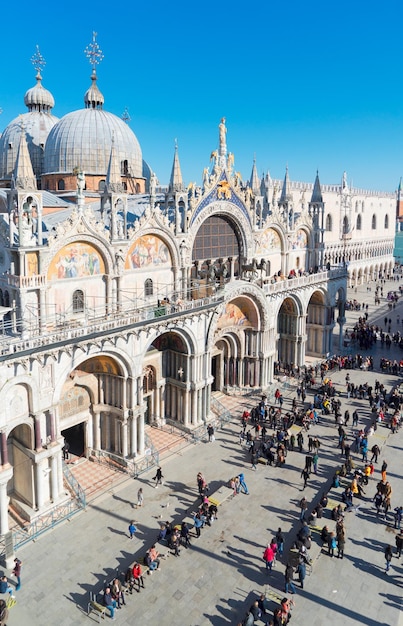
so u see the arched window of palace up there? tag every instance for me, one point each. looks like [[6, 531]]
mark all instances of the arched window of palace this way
[[329, 224], [101, 185], [60, 185], [148, 287], [386, 221], [346, 225], [373, 225], [359, 222], [78, 301]]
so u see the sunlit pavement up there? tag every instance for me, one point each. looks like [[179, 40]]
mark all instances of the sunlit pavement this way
[[216, 580]]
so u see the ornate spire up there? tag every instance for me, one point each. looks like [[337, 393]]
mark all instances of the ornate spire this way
[[23, 175], [254, 178], [93, 98], [38, 98], [125, 116], [286, 195], [317, 191], [38, 62], [176, 182], [113, 182]]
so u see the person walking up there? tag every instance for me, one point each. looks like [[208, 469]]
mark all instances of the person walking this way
[[399, 544], [315, 462], [158, 477], [280, 542], [375, 453], [388, 557], [383, 471], [17, 572], [210, 431], [305, 476], [140, 497], [254, 460], [243, 485], [132, 529], [268, 557]]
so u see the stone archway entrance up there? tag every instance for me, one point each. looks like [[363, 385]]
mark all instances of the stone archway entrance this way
[[236, 355], [289, 339]]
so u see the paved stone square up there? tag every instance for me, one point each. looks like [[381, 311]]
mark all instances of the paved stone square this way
[[216, 580]]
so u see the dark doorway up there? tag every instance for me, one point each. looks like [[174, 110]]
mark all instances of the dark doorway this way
[[214, 368], [147, 410], [75, 437]]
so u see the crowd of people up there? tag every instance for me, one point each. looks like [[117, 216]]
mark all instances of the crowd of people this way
[[266, 434]]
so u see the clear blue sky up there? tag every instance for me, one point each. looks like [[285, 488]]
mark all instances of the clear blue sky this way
[[310, 84]]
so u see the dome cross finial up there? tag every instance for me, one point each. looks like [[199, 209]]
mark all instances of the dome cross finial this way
[[94, 53], [38, 61]]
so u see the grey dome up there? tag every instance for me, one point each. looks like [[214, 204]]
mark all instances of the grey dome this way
[[38, 98], [83, 139], [37, 125]]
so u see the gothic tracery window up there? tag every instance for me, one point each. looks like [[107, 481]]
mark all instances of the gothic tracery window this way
[[78, 301], [148, 287]]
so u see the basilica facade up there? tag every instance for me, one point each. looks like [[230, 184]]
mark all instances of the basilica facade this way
[[125, 304]]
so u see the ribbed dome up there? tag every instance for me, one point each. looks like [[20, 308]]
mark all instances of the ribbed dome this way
[[83, 139], [38, 98], [37, 125]]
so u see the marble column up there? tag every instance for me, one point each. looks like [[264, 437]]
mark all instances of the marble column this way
[[4, 450], [133, 435], [141, 443], [96, 420], [5, 476], [54, 484], [37, 428], [125, 443], [38, 486]]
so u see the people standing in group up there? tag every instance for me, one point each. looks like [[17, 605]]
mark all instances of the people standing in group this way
[[301, 571], [288, 577], [303, 505], [158, 477]]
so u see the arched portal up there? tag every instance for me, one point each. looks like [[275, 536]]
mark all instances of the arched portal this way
[[167, 374], [91, 408], [236, 356], [319, 325], [289, 337], [20, 448]]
